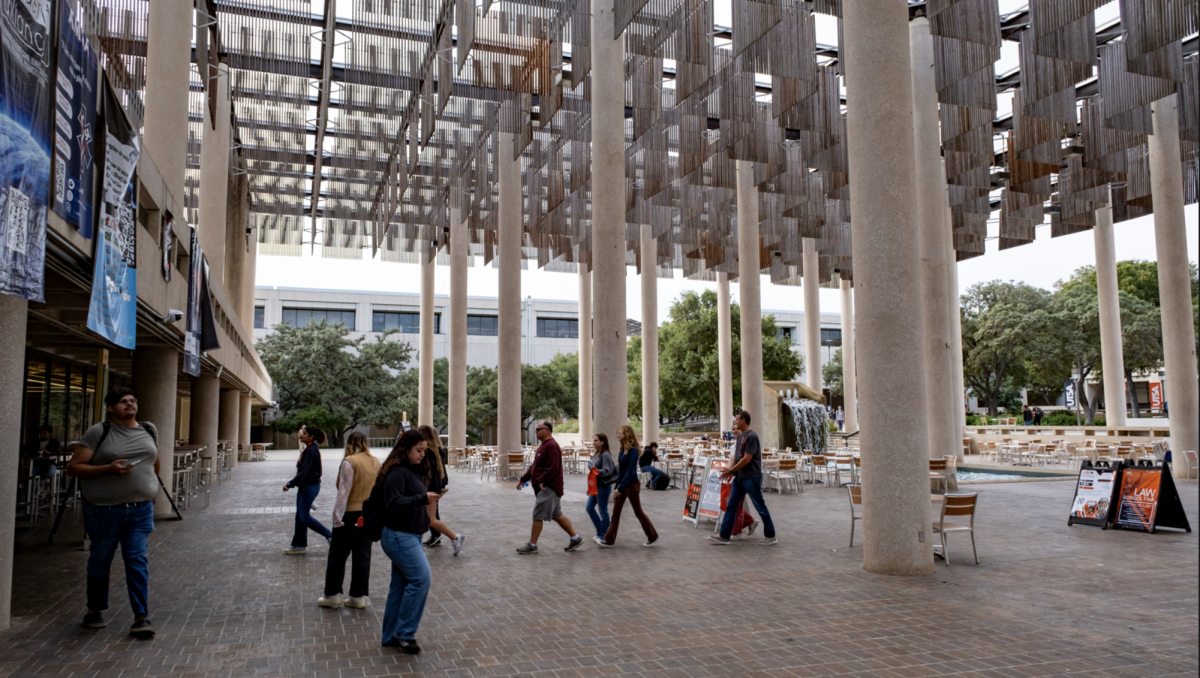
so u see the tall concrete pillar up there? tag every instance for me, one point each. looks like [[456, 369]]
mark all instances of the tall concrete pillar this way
[[508, 377], [235, 249], [849, 376], [956, 353], [749, 271], [724, 353], [168, 55], [1112, 352], [230, 424], [812, 316], [214, 178], [934, 231], [245, 411], [611, 385], [425, 353], [156, 385], [457, 407], [14, 314], [895, 444], [649, 336], [585, 355], [1174, 279], [205, 413]]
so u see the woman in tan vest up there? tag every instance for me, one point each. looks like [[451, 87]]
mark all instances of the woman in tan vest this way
[[356, 477]]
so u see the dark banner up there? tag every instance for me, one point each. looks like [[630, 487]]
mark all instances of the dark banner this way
[[168, 243], [26, 115], [191, 334], [113, 309], [75, 121]]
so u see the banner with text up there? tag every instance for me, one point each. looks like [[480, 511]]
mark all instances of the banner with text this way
[[75, 121]]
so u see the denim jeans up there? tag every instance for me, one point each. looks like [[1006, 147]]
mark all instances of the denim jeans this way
[[305, 496], [738, 489], [410, 584], [43, 468], [654, 472], [597, 508], [130, 528]]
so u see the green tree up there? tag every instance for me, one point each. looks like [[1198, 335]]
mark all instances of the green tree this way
[[831, 374], [481, 399], [1141, 342], [566, 365], [1064, 341], [633, 367], [544, 394], [320, 370], [997, 328], [410, 400]]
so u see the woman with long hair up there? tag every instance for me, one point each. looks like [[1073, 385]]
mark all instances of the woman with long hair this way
[[405, 501], [307, 482], [433, 474], [629, 489], [356, 477], [601, 475]]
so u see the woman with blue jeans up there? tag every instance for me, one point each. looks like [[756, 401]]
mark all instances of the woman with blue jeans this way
[[405, 506], [308, 485], [602, 473]]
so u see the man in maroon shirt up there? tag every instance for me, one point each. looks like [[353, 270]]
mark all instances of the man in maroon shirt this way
[[546, 476]]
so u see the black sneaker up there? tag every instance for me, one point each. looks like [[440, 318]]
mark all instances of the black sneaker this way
[[394, 642], [576, 542], [409, 647], [434, 541], [142, 629], [94, 620]]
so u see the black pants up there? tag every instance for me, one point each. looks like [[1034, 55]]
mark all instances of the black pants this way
[[434, 534], [349, 540]]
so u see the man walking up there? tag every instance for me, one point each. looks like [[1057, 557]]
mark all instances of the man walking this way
[[546, 476], [117, 462], [746, 473]]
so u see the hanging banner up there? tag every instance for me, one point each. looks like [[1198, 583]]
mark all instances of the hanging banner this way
[[191, 335], [74, 122], [113, 311], [168, 243], [26, 115], [1069, 394], [1156, 391]]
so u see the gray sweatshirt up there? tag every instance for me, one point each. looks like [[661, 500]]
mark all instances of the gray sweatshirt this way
[[603, 463]]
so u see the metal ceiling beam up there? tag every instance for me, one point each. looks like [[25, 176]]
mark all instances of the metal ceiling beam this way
[[328, 40]]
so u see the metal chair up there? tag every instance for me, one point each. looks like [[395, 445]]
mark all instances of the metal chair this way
[[855, 500], [937, 472], [957, 505]]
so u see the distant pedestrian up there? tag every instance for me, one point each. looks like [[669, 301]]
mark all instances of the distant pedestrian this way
[[356, 477], [307, 482], [433, 474], [841, 418], [1037, 416], [117, 464], [1026, 415], [545, 474], [628, 489], [602, 473], [746, 473], [405, 502], [42, 454], [646, 463]]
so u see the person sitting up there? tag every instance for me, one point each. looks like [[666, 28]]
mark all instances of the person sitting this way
[[646, 464], [42, 453]]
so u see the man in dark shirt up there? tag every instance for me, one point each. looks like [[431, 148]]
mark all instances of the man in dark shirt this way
[[546, 476], [746, 473], [646, 464]]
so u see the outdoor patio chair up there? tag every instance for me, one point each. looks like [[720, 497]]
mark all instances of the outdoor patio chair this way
[[783, 474], [957, 505], [1191, 465], [855, 500], [937, 472], [823, 467], [951, 471], [488, 465]]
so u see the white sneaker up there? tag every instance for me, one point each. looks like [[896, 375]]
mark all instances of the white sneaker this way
[[356, 602], [736, 537], [458, 543], [331, 601], [597, 539], [753, 527]]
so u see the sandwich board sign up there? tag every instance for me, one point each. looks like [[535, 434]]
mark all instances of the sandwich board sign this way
[[710, 492], [1094, 494], [695, 485], [1147, 499]]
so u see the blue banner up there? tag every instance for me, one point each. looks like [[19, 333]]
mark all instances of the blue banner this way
[[26, 114], [113, 311], [74, 122]]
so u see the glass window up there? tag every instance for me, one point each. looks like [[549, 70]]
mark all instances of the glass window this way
[[300, 317], [558, 328], [831, 337], [260, 315], [483, 325], [406, 323], [784, 333]]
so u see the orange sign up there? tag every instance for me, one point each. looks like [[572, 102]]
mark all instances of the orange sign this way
[[1138, 498], [1156, 395]]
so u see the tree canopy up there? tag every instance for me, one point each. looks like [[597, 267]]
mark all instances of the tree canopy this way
[[998, 326], [831, 374]]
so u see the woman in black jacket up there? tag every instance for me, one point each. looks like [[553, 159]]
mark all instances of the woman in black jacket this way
[[406, 518], [307, 482]]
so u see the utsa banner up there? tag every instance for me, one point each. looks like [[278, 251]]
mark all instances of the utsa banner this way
[[26, 114], [113, 310], [75, 120]]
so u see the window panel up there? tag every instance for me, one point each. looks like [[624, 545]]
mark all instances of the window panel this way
[[831, 337], [260, 317]]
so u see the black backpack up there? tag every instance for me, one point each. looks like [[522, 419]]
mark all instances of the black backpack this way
[[661, 482], [372, 511]]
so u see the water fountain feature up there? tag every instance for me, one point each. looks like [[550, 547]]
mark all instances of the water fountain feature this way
[[810, 425]]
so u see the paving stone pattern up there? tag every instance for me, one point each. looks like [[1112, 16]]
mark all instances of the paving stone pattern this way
[[1046, 600]]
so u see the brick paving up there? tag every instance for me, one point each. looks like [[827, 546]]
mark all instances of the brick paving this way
[[1046, 600]]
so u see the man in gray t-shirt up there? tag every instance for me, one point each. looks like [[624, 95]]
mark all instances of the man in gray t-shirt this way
[[117, 464], [746, 475]]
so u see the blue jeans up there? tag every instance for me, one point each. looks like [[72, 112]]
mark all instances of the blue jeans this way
[[597, 508], [738, 489], [410, 584], [43, 468], [305, 496], [654, 472], [108, 527]]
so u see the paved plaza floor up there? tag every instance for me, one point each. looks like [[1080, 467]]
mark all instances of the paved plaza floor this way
[[1046, 599]]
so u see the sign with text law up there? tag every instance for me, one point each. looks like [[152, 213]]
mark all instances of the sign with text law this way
[[1147, 499]]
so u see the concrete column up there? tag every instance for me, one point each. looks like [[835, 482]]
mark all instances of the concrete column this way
[[724, 353], [214, 178], [508, 408], [14, 314], [849, 376], [895, 445], [649, 336], [812, 316], [1174, 279], [251, 268], [749, 271], [230, 424], [585, 355], [168, 54], [933, 231], [235, 250], [956, 351], [156, 385], [205, 413], [244, 413], [1112, 353], [425, 353], [611, 385], [457, 407]]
